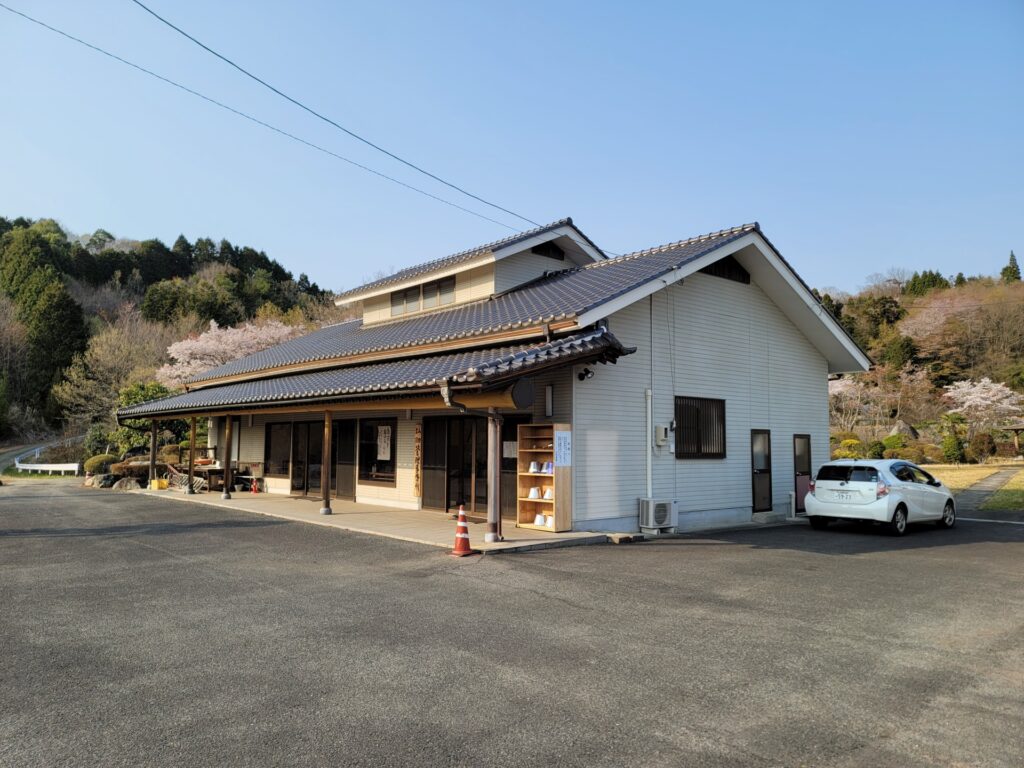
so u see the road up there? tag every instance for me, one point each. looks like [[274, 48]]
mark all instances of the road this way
[[137, 631]]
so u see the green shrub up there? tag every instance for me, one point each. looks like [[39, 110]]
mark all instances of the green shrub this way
[[840, 437], [875, 450], [953, 449], [895, 442], [932, 453], [99, 463]]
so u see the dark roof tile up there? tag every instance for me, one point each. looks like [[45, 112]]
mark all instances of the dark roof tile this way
[[392, 378], [559, 295]]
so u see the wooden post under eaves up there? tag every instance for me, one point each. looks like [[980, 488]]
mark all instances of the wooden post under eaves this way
[[493, 476], [228, 421], [325, 467], [152, 452], [191, 456]]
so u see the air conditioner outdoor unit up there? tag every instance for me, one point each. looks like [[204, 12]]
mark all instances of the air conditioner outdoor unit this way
[[658, 514]]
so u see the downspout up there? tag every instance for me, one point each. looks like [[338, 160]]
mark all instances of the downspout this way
[[650, 439]]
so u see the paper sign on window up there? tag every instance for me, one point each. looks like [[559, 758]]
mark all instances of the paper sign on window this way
[[384, 443]]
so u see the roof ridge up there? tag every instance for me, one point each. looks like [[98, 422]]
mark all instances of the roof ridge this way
[[427, 266], [751, 227]]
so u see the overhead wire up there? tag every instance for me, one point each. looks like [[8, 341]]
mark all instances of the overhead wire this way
[[251, 118], [328, 120]]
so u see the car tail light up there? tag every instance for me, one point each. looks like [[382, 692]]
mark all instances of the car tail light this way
[[881, 490], [810, 487]]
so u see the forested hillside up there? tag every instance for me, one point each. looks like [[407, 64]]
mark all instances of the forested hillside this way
[[949, 373], [86, 321]]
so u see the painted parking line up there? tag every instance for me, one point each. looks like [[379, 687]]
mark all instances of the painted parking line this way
[[984, 520]]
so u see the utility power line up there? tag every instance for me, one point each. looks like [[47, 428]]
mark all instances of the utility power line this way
[[328, 120], [251, 118]]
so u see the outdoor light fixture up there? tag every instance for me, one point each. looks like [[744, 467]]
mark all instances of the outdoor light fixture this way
[[585, 374]]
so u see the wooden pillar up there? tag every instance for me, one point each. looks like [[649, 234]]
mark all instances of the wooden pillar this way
[[1016, 441], [191, 456], [152, 452], [493, 476], [228, 421], [325, 468]]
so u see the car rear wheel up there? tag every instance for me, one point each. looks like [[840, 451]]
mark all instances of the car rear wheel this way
[[818, 522], [898, 524], [948, 516]]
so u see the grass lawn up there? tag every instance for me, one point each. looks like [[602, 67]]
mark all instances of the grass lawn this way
[[957, 477], [1009, 497]]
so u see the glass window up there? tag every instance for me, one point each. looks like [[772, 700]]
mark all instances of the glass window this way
[[864, 475], [377, 439], [405, 301], [277, 454], [834, 472], [700, 428], [430, 295], [446, 288]]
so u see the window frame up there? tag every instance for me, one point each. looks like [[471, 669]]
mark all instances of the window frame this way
[[441, 293], [702, 421], [366, 479], [266, 449]]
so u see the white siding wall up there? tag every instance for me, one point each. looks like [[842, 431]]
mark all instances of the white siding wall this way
[[712, 338], [523, 267]]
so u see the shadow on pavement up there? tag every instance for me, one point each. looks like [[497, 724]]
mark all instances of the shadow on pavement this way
[[147, 529], [850, 538]]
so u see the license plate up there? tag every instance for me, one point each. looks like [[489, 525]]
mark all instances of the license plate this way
[[842, 495]]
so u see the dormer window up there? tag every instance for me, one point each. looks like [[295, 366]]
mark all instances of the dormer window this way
[[429, 295]]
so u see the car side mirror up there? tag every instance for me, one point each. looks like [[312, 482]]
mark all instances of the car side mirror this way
[[935, 483]]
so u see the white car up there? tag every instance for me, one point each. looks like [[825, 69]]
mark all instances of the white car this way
[[890, 491]]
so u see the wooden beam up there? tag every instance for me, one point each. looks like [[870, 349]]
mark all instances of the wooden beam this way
[[476, 400], [226, 493], [493, 476], [152, 452], [191, 456], [325, 467]]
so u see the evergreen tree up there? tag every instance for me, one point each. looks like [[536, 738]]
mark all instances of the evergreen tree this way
[[1011, 272], [182, 250], [959, 279]]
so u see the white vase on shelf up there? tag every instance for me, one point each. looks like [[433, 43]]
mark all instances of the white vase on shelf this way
[[549, 493], [549, 521], [538, 519], [534, 493], [534, 467]]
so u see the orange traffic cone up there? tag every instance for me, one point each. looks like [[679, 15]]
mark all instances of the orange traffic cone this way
[[462, 547]]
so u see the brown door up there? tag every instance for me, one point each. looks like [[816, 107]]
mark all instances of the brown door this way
[[343, 449], [761, 464], [802, 469]]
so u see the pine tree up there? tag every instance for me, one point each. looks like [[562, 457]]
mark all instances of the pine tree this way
[[1011, 272], [959, 279]]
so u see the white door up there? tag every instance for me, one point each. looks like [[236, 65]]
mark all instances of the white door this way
[[934, 499]]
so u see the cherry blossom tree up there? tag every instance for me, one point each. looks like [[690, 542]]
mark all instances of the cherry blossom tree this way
[[217, 346], [984, 403]]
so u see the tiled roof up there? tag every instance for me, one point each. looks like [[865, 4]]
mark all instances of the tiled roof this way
[[457, 258], [557, 296], [391, 378]]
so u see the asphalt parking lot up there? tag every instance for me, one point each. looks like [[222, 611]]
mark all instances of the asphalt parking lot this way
[[135, 631]]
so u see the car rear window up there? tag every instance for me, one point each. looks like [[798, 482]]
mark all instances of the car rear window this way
[[848, 473]]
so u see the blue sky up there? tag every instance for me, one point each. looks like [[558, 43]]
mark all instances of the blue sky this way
[[861, 135]]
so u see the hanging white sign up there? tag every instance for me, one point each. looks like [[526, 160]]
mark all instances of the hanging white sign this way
[[563, 449], [383, 443]]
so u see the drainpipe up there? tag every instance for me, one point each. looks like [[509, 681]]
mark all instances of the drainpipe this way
[[650, 440]]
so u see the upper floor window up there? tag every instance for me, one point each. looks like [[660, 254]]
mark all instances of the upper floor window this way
[[428, 296]]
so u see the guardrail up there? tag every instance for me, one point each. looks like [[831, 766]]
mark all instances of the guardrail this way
[[49, 469]]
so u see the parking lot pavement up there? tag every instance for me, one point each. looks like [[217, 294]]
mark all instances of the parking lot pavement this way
[[136, 631]]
